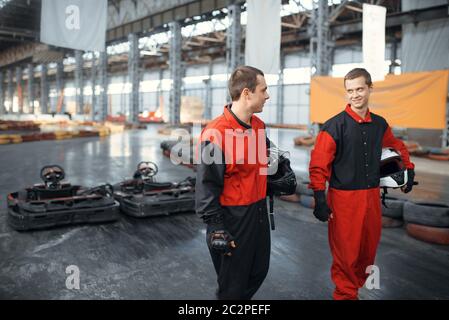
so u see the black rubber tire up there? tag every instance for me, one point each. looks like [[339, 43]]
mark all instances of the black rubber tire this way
[[301, 188], [394, 209], [427, 214], [428, 234], [307, 201], [388, 222]]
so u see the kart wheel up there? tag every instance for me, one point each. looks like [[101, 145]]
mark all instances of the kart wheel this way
[[427, 214]]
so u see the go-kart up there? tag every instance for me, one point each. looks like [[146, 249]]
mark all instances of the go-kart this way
[[142, 196], [56, 203]]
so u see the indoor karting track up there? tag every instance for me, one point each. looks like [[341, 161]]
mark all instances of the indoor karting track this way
[[166, 257]]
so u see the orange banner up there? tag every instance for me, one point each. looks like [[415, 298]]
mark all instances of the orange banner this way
[[410, 100]]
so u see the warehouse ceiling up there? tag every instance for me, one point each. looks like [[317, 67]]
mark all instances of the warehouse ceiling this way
[[20, 24]]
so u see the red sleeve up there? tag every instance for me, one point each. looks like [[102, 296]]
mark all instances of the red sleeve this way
[[320, 162], [390, 141]]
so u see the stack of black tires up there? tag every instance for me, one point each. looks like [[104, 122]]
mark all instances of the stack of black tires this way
[[427, 221], [423, 220]]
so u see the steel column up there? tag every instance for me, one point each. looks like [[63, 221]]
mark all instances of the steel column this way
[[2, 96], [19, 89], [94, 110], [103, 74], [280, 92], [233, 38], [60, 87], [175, 72], [10, 89], [133, 72], [79, 82], [31, 88], [44, 89], [320, 40]]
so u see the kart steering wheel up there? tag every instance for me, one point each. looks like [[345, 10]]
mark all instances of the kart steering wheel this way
[[147, 169], [52, 174]]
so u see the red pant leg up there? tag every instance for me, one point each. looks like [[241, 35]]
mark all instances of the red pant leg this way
[[372, 229], [353, 237]]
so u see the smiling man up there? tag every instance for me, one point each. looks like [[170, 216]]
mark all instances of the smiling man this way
[[347, 154]]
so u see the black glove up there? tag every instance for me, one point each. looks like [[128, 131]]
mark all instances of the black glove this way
[[410, 180], [321, 211], [218, 238]]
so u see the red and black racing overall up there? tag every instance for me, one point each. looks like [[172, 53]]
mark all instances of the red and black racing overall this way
[[235, 189], [347, 155]]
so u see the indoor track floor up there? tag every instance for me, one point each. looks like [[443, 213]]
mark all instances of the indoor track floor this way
[[167, 257]]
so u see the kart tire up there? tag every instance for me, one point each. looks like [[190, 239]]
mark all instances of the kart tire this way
[[301, 188], [428, 234], [394, 209], [427, 214], [307, 201], [388, 222]]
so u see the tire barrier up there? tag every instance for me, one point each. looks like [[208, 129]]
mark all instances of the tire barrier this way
[[388, 222], [412, 146], [295, 198], [438, 157], [420, 153], [168, 129], [31, 137], [10, 138], [45, 129], [19, 125], [131, 126], [438, 151], [440, 154], [307, 201], [427, 214], [428, 234], [287, 126], [185, 159], [86, 134], [56, 135], [306, 141], [302, 188], [62, 135], [394, 209]]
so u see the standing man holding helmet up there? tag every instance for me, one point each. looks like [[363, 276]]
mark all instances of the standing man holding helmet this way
[[231, 192], [347, 154], [231, 188]]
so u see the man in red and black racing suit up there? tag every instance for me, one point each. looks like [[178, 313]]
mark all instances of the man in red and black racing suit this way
[[231, 188], [347, 154]]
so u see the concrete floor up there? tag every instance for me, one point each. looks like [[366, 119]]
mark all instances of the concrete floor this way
[[166, 257]]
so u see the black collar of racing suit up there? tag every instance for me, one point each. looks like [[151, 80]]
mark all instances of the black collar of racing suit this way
[[243, 124]]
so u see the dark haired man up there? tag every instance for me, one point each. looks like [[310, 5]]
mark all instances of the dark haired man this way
[[347, 154], [231, 188]]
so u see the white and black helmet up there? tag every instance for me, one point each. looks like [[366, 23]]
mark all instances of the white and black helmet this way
[[393, 173]]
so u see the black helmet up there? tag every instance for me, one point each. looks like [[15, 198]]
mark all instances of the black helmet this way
[[283, 182]]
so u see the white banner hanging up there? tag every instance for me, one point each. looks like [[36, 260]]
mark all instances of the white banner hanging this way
[[263, 35], [75, 24], [374, 19]]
